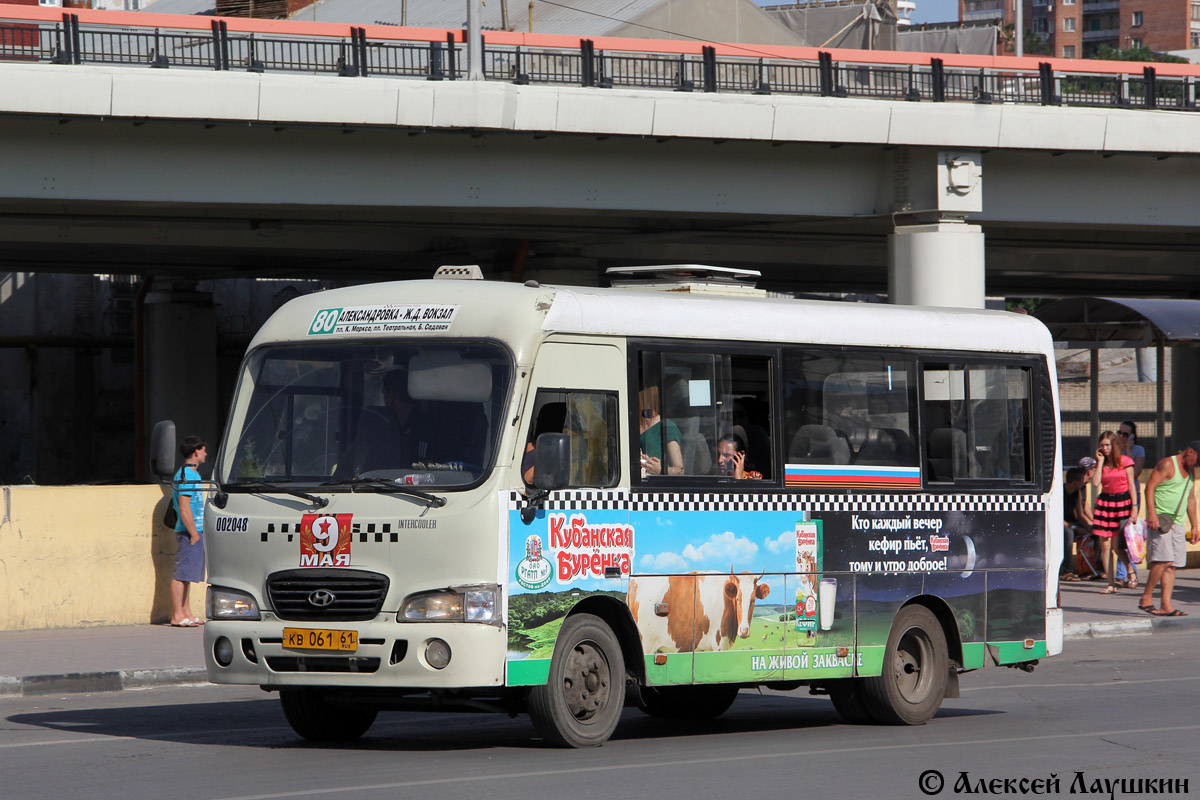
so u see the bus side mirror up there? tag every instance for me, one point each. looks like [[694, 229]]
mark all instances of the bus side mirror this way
[[162, 450], [552, 461]]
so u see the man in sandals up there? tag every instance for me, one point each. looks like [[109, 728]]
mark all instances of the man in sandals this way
[[1167, 492]]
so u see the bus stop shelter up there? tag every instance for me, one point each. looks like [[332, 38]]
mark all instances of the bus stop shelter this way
[[1095, 323]]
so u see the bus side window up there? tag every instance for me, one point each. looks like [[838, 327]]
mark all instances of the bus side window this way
[[849, 408], [689, 400], [589, 419], [978, 419]]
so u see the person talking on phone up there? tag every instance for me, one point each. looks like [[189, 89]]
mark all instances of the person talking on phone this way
[[1115, 504], [731, 458]]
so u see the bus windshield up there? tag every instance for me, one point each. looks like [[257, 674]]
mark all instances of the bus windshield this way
[[414, 413]]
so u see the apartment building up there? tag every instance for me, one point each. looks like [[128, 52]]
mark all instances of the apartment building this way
[[1078, 28]]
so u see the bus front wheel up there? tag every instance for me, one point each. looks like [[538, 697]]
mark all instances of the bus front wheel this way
[[312, 716], [581, 702], [915, 668]]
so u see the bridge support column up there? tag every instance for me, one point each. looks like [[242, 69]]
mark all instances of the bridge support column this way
[[1185, 385], [936, 264], [181, 362]]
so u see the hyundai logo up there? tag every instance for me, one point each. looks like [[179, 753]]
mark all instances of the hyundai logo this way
[[321, 598]]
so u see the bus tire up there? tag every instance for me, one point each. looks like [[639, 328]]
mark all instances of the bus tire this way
[[688, 702], [849, 700], [580, 704], [915, 666], [312, 716]]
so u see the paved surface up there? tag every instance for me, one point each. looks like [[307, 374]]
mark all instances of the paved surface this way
[[59, 660]]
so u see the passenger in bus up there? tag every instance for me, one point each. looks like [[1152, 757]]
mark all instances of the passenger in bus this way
[[654, 430], [731, 459], [1114, 505]]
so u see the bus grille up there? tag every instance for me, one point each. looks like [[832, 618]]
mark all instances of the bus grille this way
[[327, 594]]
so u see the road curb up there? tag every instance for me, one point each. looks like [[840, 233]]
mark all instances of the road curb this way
[[1128, 627], [109, 681]]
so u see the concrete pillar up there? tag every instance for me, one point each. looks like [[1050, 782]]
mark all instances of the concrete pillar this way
[[936, 264], [1185, 388], [181, 362]]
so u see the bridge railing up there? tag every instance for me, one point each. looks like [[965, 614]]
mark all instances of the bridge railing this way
[[32, 34]]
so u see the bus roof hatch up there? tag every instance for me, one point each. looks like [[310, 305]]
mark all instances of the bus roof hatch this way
[[466, 272], [689, 278]]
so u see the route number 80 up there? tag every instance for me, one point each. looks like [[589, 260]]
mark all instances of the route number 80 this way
[[325, 321]]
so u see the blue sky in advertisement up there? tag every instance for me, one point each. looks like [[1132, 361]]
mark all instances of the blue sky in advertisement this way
[[713, 541], [666, 543]]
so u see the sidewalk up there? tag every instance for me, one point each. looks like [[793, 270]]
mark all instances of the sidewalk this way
[[61, 660]]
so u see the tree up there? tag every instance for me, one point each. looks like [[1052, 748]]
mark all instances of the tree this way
[[1035, 45], [1144, 54], [1027, 305]]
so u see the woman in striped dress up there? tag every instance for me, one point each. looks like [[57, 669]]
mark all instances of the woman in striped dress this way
[[1114, 504]]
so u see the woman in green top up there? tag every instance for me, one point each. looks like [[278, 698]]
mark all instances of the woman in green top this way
[[653, 428]]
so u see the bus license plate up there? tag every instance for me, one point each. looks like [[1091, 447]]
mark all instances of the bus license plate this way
[[317, 639]]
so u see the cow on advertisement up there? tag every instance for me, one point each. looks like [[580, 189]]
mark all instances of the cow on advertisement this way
[[694, 612]]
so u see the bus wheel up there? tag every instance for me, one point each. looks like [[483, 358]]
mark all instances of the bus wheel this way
[[848, 699], [688, 702], [581, 702], [312, 716], [915, 666]]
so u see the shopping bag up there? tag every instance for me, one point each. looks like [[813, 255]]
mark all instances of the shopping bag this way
[[1135, 540], [1085, 557]]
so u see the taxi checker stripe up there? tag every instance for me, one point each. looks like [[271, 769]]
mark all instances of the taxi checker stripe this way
[[662, 501]]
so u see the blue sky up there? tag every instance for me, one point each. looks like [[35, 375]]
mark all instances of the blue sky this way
[[936, 11], [927, 10]]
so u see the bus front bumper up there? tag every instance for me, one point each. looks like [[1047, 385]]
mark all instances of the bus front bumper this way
[[388, 654]]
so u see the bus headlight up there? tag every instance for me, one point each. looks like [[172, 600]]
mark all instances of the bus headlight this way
[[466, 604], [222, 603]]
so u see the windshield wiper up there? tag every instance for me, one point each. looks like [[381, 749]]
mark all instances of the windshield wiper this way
[[319, 502], [388, 486]]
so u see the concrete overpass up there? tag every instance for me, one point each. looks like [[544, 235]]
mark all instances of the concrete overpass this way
[[225, 173]]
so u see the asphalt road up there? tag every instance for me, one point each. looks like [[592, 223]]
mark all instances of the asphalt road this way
[[1110, 709]]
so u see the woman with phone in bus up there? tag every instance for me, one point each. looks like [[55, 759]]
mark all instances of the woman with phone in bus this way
[[1115, 504]]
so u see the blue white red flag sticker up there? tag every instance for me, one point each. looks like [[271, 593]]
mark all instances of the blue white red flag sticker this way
[[411, 318]]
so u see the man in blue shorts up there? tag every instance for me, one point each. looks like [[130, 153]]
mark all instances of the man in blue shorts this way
[[189, 530]]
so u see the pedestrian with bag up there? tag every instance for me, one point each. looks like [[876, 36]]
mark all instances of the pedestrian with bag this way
[[1168, 492], [188, 500]]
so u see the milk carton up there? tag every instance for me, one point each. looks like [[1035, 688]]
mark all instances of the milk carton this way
[[808, 568]]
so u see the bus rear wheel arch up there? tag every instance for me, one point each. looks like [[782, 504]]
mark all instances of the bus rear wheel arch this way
[[580, 703], [915, 672]]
